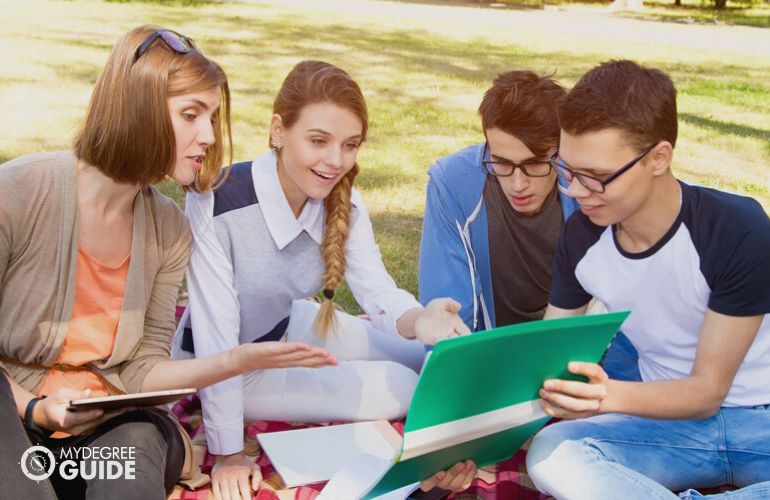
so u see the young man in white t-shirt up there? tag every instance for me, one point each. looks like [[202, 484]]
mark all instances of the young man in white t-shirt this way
[[693, 266]]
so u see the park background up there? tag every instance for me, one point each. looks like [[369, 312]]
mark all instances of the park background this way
[[423, 67]]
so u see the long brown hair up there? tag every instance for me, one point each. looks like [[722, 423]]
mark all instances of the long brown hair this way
[[127, 131], [313, 82]]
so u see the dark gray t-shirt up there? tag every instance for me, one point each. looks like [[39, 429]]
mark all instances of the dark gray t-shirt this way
[[521, 249]]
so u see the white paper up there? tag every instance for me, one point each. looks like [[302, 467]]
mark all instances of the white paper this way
[[441, 436], [312, 455], [358, 478]]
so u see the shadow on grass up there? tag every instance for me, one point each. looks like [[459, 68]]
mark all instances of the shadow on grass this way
[[692, 14], [84, 73], [401, 70], [402, 73], [727, 128], [34, 145], [376, 176], [482, 4], [179, 3], [276, 42], [398, 235], [657, 12]]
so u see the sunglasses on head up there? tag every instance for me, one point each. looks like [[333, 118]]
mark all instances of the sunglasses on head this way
[[173, 40]]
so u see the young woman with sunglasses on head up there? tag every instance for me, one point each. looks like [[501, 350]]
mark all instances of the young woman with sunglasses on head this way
[[282, 228], [91, 260]]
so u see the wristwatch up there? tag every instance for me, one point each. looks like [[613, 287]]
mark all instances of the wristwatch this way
[[29, 422]]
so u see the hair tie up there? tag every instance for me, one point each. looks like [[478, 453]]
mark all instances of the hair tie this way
[[328, 293]]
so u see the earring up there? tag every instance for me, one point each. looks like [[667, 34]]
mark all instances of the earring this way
[[276, 145]]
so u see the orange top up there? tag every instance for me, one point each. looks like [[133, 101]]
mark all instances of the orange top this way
[[93, 325]]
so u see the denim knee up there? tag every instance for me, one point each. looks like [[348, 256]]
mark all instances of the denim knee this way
[[553, 453]]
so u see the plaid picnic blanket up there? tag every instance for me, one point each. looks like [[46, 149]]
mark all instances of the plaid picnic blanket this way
[[507, 480]]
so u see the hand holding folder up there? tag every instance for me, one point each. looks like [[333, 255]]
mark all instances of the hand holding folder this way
[[477, 399]]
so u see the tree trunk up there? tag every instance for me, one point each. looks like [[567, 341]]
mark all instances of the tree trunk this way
[[720, 4], [677, 3]]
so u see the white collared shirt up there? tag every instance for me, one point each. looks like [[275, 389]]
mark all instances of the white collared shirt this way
[[251, 257]]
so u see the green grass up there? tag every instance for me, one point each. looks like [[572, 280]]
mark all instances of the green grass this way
[[423, 70], [690, 12], [702, 12]]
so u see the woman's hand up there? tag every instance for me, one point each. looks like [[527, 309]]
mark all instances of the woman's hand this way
[[230, 477], [439, 320], [52, 413], [457, 478], [264, 355], [573, 399]]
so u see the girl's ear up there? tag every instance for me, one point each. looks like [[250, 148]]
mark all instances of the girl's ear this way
[[276, 131]]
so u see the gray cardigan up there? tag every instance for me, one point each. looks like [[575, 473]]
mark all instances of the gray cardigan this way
[[38, 258]]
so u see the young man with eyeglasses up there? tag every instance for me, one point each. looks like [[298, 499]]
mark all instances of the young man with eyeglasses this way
[[693, 266], [493, 211]]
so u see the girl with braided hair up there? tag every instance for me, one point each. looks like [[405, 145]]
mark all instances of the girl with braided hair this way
[[284, 227]]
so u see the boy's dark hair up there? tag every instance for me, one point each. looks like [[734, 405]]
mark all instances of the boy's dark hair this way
[[524, 105], [622, 95]]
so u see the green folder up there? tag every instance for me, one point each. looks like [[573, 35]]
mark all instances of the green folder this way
[[477, 396]]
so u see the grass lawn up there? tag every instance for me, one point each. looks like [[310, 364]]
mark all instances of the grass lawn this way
[[691, 11], [695, 11], [423, 69]]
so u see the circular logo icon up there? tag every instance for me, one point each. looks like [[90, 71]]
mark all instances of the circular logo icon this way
[[37, 463]]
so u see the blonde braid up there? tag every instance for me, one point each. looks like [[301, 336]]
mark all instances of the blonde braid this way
[[336, 232]]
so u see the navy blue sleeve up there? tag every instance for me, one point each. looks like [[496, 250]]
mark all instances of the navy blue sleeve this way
[[237, 191], [732, 235], [577, 236]]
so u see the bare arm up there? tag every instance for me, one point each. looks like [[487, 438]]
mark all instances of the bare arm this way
[[51, 412], [201, 372], [699, 395], [438, 320], [553, 312], [390, 308]]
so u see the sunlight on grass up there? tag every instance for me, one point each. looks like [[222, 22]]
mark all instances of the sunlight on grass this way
[[423, 69], [697, 11]]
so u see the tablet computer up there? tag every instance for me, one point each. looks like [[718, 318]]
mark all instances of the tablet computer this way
[[127, 400]]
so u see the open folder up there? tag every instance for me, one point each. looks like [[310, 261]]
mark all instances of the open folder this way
[[477, 399]]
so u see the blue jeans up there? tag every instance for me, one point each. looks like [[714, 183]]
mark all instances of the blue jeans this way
[[621, 361], [621, 456]]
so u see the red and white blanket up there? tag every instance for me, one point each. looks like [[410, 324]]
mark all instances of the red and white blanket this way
[[507, 480]]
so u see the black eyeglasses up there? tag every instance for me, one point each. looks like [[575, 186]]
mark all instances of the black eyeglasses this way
[[505, 168], [590, 182], [173, 40]]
